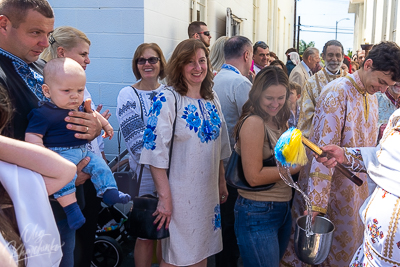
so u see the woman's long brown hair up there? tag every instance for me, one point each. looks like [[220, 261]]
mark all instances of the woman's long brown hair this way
[[8, 222], [181, 56], [267, 77]]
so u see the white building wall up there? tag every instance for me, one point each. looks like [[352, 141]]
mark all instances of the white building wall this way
[[375, 21], [166, 22], [116, 28]]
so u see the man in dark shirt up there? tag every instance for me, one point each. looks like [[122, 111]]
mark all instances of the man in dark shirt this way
[[24, 30]]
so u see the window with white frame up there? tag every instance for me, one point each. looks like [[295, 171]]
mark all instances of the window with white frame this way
[[255, 19], [233, 23], [198, 10]]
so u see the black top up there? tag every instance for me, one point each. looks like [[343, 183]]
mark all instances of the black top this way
[[22, 98], [48, 120]]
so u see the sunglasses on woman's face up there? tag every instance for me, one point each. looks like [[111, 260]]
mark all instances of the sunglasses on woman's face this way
[[206, 33], [151, 60]]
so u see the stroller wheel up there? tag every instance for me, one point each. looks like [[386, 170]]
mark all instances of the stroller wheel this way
[[107, 252]]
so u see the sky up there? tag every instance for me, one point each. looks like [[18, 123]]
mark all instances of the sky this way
[[325, 13]]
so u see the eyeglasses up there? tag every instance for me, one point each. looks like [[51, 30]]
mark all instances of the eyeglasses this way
[[206, 33], [151, 60]]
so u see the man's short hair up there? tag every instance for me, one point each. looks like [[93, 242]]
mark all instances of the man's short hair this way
[[385, 57], [310, 51], [195, 27], [295, 86], [332, 42], [235, 46], [260, 44], [16, 10]]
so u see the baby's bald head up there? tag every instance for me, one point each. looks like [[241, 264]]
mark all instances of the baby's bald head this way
[[62, 67], [64, 83]]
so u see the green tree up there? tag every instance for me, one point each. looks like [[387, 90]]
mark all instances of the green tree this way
[[303, 46], [349, 53]]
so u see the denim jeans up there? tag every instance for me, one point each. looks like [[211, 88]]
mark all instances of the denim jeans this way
[[262, 231], [101, 175], [67, 236]]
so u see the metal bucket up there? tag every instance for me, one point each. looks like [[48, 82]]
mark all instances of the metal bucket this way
[[315, 248]]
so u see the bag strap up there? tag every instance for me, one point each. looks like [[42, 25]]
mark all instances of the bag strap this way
[[140, 102], [141, 116], [269, 141], [173, 133], [240, 127], [265, 130]]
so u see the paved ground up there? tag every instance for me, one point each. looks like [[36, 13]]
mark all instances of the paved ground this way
[[128, 260], [129, 244]]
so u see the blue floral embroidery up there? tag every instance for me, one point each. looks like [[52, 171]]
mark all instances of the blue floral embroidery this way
[[217, 218], [152, 121], [31, 78], [215, 120], [149, 137], [208, 125]]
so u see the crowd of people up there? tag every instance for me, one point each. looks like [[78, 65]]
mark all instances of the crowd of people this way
[[206, 101]]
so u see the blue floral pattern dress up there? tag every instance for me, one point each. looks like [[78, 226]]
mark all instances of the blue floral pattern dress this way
[[200, 142]]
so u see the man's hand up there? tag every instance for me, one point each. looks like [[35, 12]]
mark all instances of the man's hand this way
[[85, 122], [251, 76], [314, 214], [82, 176], [335, 155], [381, 130]]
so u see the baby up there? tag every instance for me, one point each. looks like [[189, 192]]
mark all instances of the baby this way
[[64, 83]]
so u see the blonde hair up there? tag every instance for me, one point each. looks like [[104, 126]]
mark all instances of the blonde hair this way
[[217, 56], [64, 36]]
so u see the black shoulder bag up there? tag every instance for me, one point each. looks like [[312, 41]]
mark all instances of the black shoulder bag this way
[[234, 174], [141, 215]]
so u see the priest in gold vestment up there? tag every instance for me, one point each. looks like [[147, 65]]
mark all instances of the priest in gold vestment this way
[[347, 116], [332, 54]]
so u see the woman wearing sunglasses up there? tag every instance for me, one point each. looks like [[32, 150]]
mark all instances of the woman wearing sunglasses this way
[[133, 105]]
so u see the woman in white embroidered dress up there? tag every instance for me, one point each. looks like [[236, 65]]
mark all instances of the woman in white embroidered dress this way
[[133, 105], [189, 199], [381, 210]]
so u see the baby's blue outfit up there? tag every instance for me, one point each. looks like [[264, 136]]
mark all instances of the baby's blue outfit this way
[[48, 120]]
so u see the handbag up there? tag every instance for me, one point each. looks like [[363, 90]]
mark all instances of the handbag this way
[[234, 174], [141, 219]]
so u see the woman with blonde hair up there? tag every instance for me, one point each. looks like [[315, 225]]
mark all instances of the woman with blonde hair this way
[[66, 41], [190, 198], [217, 57]]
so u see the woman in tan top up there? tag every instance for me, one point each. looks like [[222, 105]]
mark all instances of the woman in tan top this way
[[263, 218]]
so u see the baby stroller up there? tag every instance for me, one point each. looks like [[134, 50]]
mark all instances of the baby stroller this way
[[111, 224], [110, 235]]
